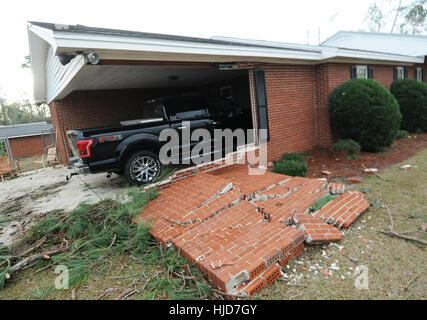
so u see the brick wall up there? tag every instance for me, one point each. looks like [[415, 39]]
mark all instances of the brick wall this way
[[290, 99], [26, 146]]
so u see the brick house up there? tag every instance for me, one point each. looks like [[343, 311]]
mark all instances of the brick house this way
[[95, 77], [25, 140]]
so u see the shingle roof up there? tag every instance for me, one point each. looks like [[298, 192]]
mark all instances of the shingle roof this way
[[22, 130]]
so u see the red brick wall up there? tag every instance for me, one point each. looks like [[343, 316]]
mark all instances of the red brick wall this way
[[26, 146], [290, 99]]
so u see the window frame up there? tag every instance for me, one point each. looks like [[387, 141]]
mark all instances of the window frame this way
[[358, 67], [419, 73], [398, 69]]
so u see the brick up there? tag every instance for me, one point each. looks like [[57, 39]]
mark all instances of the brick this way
[[343, 210]]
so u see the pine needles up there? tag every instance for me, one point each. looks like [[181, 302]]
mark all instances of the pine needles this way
[[103, 232]]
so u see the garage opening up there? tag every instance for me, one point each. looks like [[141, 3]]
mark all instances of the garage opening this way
[[120, 92]]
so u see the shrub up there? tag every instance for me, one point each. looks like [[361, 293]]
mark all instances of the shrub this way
[[293, 156], [365, 111], [402, 134], [412, 98], [291, 165], [348, 146]]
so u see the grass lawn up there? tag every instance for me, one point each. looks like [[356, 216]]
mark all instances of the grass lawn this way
[[396, 267]]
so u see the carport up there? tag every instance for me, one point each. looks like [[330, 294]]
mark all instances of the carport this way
[[100, 87]]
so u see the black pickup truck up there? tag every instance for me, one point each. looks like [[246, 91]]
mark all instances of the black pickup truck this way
[[132, 148]]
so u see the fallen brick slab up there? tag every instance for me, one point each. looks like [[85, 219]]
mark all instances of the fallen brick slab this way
[[176, 206], [297, 201], [317, 231], [239, 228], [343, 210], [249, 184], [240, 237]]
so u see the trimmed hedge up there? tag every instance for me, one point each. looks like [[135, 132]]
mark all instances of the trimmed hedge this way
[[365, 111], [292, 164], [412, 98]]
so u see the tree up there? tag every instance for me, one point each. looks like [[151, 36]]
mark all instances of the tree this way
[[22, 112], [408, 15], [415, 18], [27, 63], [375, 18]]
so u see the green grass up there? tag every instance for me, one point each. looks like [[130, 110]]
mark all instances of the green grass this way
[[319, 204]]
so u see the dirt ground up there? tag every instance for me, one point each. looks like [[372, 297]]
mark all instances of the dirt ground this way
[[340, 166], [26, 199]]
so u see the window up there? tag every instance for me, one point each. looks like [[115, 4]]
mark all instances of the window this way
[[361, 72], [419, 74], [226, 92], [400, 73], [187, 108]]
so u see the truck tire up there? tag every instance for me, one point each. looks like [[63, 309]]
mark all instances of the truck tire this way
[[142, 167]]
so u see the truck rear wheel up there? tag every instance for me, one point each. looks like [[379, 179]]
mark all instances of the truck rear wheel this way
[[142, 167]]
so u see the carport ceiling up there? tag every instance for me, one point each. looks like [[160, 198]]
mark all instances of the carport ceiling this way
[[128, 77]]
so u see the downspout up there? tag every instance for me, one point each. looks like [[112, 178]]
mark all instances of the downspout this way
[[8, 149]]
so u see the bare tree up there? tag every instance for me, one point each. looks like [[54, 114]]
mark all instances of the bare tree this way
[[375, 17], [415, 18]]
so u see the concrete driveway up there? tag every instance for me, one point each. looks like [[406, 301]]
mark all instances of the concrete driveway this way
[[24, 200]]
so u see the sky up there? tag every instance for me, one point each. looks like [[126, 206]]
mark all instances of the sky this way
[[276, 20]]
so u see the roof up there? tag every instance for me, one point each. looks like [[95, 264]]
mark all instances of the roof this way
[[395, 43], [126, 33], [24, 130], [52, 80]]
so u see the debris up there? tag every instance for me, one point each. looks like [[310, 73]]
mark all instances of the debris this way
[[334, 267], [365, 240], [410, 282], [370, 170], [336, 188], [354, 180], [326, 173], [325, 273]]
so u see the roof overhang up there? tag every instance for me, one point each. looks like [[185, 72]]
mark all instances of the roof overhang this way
[[130, 47]]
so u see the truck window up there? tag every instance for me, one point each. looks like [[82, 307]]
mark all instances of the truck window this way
[[187, 109], [152, 110]]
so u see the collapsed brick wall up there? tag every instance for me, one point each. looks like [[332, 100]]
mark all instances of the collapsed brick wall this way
[[26, 146]]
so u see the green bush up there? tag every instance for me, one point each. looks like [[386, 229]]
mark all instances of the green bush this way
[[402, 134], [412, 98], [293, 156], [365, 111], [291, 165], [348, 145]]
